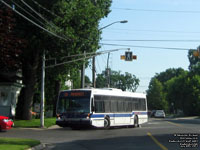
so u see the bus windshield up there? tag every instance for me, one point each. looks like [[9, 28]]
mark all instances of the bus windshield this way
[[69, 103]]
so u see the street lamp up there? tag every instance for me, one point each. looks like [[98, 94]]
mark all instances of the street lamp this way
[[93, 61], [123, 21]]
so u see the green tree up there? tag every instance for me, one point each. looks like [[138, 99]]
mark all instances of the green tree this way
[[168, 74], [125, 81], [163, 78], [76, 21], [184, 94], [155, 95]]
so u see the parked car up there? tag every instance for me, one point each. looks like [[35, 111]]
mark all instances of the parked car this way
[[159, 114], [153, 113], [5, 123]]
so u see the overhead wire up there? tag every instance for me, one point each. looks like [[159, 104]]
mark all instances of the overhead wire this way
[[38, 14], [45, 9], [147, 30], [153, 47], [27, 12], [135, 40], [52, 33], [158, 10]]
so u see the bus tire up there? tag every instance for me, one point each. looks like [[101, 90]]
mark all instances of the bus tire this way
[[136, 122], [106, 123]]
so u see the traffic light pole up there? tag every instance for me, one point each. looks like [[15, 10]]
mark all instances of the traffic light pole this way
[[93, 67]]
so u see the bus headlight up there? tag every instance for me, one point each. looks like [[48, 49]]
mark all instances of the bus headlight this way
[[88, 116]]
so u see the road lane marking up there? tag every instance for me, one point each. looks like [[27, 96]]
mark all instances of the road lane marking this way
[[175, 124], [156, 141]]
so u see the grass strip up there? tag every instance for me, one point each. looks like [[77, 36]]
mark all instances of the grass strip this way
[[17, 144], [34, 123]]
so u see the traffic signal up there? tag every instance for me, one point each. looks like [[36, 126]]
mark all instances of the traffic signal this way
[[196, 53], [122, 57], [134, 57], [128, 56]]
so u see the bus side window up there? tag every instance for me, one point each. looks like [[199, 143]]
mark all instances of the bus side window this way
[[106, 100], [99, 104]]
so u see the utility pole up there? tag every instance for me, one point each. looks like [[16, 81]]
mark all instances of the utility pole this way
[[108, 71], [83, 73], [42, 92], [93, 72]]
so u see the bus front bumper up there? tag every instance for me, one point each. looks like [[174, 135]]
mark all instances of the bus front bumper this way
[[72, 123]]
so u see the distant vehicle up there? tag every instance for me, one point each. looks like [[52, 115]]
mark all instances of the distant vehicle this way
[[159, 114], [5, 123], [101, 108], [152, 113]]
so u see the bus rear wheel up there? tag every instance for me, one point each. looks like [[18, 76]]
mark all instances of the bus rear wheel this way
[[136, 122], [106, 123]]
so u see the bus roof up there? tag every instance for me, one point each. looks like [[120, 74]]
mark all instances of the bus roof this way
[[111, 92]]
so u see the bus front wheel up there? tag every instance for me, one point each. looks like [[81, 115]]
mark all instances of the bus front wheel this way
[[106, 123]]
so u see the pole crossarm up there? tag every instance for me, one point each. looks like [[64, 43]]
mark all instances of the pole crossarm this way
[[86, 57]]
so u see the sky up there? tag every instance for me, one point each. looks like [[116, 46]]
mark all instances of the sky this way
[[157, 20]]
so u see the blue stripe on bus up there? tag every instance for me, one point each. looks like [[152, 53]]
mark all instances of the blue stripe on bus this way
[[117, 115], [97, 116]]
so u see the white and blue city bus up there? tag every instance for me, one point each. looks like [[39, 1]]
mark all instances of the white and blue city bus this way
[[101, 108]]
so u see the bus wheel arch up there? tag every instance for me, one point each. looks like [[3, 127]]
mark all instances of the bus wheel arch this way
[[136, 121], [107, 122]]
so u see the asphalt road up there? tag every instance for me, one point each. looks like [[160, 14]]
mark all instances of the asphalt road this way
[[157, 134]]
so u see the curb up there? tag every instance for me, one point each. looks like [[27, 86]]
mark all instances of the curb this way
[[38, 147]]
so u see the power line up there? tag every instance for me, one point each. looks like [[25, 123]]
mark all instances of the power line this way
[[148, 30], [158, 10], [6, 4], [169, 48], [152, 40], [27, 12], [45, 9], [51, 24]]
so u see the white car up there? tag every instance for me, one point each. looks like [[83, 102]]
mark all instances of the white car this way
[[159, 114]]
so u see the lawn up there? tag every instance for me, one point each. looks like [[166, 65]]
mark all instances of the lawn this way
[[17, 144], [34, 123]]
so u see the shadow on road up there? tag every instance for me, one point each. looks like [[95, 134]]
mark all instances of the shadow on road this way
[[119, 143]]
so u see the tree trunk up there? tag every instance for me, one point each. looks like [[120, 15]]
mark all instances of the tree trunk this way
[[57, 90], [29, 73]]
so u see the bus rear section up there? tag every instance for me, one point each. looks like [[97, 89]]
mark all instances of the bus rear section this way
[[73, 109], [119, 109]]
